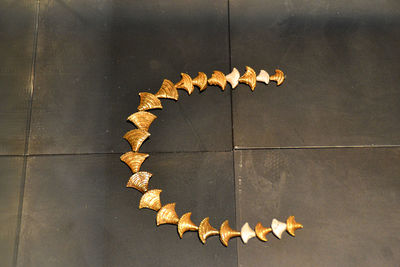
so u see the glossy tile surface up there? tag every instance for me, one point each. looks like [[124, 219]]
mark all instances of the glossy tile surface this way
[[341, 60], [95, 57], [16, 48], [347, 199], [10, 184], [77, 211]]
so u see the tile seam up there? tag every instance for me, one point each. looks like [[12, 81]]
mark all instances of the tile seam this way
[[32, 80]]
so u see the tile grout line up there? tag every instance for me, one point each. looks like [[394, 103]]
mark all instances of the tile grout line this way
[[120, 153], [315, 147], [232, 131], [202, 151], [230, 68], [32, 80]]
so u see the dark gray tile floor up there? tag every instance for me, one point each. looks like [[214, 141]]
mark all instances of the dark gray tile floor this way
[[345, 198], [77, 211], [17, 24], [70, 75], [85, 89], [11, 175], [342, 68]]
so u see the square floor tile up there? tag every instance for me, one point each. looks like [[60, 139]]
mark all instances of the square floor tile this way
[[93, 62], [10, 184], [341, 62], [77, 211], [347, 199], [17, 21]]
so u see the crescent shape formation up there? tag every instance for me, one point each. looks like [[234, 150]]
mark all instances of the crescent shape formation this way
[[134, 160], [151, 200], [246, 233], [136, 138], [226, 233], [278, 77], [185, 83], [142, 119], [292, 225], [148, 101], [262, 231], [200, 81], [140, 179], [186, 224], [218, 78], [249, 78], [263, 77], [167, 215], [167, 90], [278, 228], [206, 230], [233, 78]]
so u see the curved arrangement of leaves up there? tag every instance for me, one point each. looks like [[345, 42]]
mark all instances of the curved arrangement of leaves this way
[[142, 119]]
